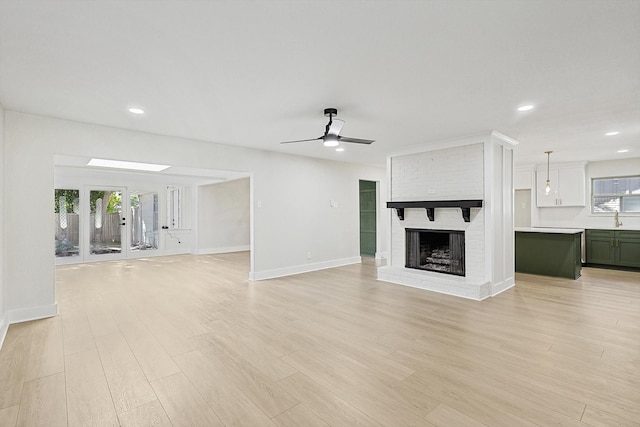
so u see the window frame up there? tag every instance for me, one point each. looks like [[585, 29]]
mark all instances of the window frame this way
[[174, 207]]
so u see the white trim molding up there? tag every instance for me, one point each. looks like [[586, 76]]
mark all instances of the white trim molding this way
[[25, 315], [305, 268], [222, 250]]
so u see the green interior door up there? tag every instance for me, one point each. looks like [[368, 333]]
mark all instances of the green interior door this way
[[367, 218]]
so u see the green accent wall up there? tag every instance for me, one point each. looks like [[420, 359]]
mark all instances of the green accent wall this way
[[368, 217]]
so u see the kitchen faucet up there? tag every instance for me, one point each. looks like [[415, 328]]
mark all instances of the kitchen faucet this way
[[616, 218]]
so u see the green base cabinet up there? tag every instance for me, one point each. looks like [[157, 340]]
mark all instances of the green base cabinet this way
[[549, 254], [613, 247]]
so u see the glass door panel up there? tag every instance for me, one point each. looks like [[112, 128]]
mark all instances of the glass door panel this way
[[67, 222], [106, 222], [144, 221]]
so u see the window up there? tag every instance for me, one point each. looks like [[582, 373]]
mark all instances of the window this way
[[619, 194], [174, 207]]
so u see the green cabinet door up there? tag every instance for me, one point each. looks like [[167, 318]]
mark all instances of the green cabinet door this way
[[613, 247], [368, 217], [600, 247], [628, 248]]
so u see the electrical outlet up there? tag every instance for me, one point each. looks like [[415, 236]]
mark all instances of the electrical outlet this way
[[308, 255]]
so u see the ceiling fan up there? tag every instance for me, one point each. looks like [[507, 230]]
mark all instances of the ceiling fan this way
[[331, 137]]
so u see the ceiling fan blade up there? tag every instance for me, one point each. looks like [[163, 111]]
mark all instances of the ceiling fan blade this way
[[355, 140], [302, 140], [336, 126]]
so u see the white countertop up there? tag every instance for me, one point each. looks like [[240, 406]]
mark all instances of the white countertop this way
[[550, 230]]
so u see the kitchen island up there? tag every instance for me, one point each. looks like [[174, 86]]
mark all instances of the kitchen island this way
[[549, 251]]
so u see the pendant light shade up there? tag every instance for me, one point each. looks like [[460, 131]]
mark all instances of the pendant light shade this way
[[547, 188]]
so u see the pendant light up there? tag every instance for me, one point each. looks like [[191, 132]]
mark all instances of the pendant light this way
[[547, 188]]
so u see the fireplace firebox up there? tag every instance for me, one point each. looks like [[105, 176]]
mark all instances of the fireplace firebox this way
[[435, 250]]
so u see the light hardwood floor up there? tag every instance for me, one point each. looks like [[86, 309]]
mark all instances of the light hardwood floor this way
[[188, 341]]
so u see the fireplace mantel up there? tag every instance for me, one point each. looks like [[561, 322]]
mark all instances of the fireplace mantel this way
[[430, 206]]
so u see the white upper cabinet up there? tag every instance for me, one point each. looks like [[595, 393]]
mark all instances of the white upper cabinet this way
[[568, 186]]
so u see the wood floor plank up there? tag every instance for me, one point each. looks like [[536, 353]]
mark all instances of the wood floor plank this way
[[444, 416], [46, 355], [248, 347], [100, 320], [263, 392], [385, 409], [9, 416], [299, 416], [600, 418], [127, 383], [44, 402], [230, 403], [77, 334], [13, 363], [150, 414], [152, 357], [88, 398], [183, 404], [517, 405], [324, 402]]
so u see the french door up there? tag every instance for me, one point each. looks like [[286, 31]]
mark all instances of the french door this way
[[106, 223], [120, 223]]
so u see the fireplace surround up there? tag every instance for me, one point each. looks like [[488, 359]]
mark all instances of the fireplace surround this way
[[469, 175]]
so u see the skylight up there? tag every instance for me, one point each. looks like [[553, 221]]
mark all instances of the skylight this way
[[120, 164]]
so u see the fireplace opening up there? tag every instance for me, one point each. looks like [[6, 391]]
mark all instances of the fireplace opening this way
[[435, 250]]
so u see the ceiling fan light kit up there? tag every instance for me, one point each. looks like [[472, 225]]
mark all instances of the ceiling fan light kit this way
[[331, 141], [331, 137]]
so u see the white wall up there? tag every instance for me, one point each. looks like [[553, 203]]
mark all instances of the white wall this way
[[3, 311], [224, 217], [581, 217], [295, 217]]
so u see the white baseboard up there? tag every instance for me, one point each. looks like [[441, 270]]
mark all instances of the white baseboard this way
[[222, 250], [381, 255], [25, 315], [306, 268], [4, 327], [500, 287], [32, 313], [177, 251]]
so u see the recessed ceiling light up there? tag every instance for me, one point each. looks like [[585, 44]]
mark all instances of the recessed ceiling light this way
[[612, 133], [624, 150], [525, 108], [134, 110], [119, 164], [339, 149]]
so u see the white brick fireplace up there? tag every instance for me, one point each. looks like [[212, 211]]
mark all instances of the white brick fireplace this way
[[477, 169]]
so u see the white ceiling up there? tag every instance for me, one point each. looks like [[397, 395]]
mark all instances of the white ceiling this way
[[254, 73]]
